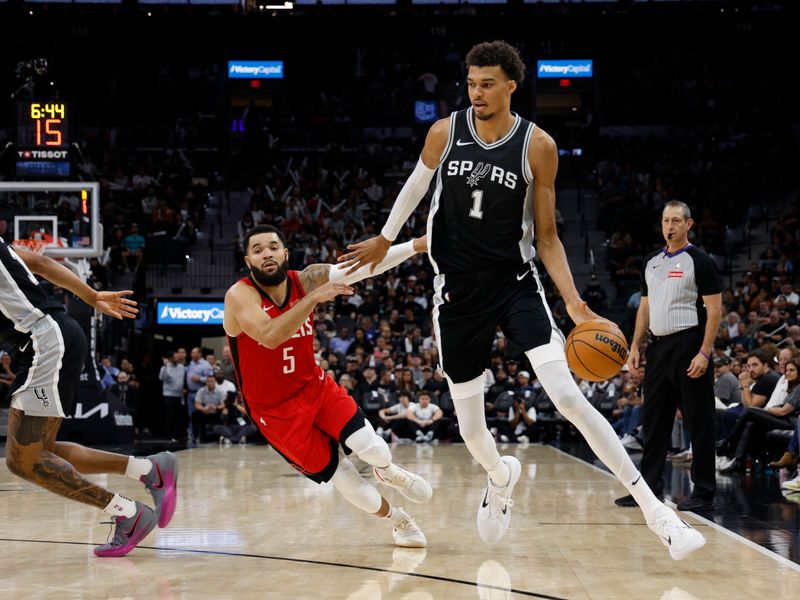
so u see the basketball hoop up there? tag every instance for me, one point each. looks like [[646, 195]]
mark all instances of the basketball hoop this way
[[35, 246]]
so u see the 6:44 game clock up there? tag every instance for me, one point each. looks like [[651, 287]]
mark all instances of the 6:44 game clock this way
[[43, 139], [42, 124]]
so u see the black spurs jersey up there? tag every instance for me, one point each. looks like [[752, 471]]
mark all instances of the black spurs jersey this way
[[22, 301], [481, 216]]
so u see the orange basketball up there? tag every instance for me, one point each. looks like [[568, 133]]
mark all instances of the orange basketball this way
[[596, 350]]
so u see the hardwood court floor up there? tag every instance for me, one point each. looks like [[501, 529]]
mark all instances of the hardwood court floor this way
[[247, 526]]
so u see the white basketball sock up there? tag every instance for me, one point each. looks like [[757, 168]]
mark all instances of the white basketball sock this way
[[120, 506], [138, 467], [479, 442], [568, 400]]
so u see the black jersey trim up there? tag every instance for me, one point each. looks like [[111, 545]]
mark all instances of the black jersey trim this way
[[471, 125], [266, 295]]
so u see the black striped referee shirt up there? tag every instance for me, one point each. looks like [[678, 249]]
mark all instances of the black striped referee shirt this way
[[675, 285]]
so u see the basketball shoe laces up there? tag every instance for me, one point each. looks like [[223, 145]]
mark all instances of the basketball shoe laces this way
[[400, 479], [118, 538], [498, 502], [405, 524]]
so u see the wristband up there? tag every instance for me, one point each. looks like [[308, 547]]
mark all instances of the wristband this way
[[704, 355]]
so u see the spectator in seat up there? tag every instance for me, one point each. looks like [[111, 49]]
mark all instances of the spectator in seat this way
[[208, 403], [757, 382], [234, 427], [341, 342], [394, 419], [424, 417], [129, 396], [756, 422], [727, 389], [132, 249]]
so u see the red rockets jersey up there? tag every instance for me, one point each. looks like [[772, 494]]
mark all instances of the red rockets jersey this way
[[266, 376]]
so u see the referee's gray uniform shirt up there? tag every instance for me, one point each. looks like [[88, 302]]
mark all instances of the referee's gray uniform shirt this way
[[675, 285]]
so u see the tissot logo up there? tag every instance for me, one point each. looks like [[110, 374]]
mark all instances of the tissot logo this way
[[57, 154], [190, 313]]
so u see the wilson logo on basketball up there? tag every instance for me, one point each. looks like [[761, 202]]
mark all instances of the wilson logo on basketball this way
[[616, 347], [675, 274]]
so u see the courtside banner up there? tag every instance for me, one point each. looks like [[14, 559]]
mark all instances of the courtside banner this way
[[255, 69], [564, 69], [190, 313]]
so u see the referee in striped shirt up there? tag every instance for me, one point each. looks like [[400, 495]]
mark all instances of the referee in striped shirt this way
[[680, 311]]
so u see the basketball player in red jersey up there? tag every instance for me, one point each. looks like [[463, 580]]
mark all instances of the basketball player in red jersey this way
[[302, 412]]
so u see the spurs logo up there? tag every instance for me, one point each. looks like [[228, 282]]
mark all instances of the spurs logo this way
[[479, 172], [41, 394]]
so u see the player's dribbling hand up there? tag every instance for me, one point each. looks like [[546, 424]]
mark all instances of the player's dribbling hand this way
[[330, 290], [581, 312], [369, 252], [114, 304]]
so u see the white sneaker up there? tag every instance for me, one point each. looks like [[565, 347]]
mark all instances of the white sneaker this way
[[524, 439], [494, 512], [405, 531], [630, 442], [676, 534], [793, 485], [412, 486], [429, 436], [723, 462]]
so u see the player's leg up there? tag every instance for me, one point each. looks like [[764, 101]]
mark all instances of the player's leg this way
[[355, 489], [465, 319], [679, 537], [30, 454]]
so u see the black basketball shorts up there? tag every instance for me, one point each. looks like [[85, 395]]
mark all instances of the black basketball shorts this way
[[50, 364], [468, 308]]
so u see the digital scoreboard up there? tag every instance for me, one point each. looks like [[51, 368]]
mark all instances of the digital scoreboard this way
[[43, 139]]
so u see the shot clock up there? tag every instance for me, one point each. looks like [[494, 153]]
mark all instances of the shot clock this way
[[43, 139]]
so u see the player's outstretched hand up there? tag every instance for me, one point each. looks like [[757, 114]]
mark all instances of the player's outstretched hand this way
[[369, 252], [330, 290], [114, 304]]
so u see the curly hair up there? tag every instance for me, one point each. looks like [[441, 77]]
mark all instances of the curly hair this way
[[490, 54]]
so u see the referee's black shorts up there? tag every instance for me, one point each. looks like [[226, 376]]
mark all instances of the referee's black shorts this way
[[51, 361]]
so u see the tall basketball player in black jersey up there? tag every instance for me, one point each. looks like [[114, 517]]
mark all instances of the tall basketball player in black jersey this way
[[52, 352], [495, 177]]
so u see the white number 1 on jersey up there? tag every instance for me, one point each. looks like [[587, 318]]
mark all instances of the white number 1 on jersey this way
[[475, 212]]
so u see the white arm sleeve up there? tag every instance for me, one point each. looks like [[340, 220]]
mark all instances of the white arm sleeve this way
[[407, 200], [396, 254]]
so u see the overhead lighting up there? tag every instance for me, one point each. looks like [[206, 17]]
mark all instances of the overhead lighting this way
[[284, 6]]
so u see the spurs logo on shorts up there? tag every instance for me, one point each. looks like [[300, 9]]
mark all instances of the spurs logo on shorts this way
[[41, 394]]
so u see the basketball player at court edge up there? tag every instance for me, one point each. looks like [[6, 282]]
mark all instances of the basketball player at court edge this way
[[52, 352], [495, 176], [304, 414]]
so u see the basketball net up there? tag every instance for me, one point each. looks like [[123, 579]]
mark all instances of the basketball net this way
[[35, 246], [80, 267]]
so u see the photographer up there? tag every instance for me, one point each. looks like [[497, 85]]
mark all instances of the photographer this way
[[523, 421], [235, 427]]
